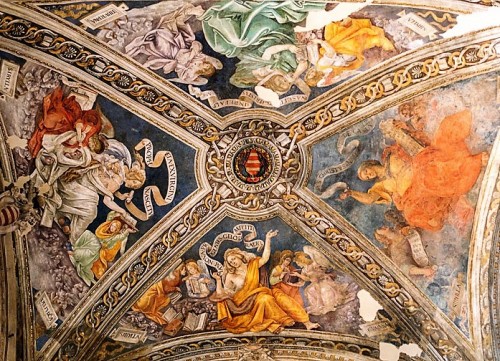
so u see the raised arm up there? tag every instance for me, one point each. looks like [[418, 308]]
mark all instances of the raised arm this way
[[111, 204], [267, 247], [367, 198]]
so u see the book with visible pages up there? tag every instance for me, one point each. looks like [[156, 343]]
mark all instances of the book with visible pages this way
[[195, 322], [170, 314], [288, 278], [196, 287], [173, 327], [174, 297]]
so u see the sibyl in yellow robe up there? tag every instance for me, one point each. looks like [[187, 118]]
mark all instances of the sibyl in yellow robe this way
[[353, 39], [156, 298], [293, 292], [111, 243], [256, 308]]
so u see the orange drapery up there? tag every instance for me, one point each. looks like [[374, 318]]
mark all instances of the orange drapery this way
[[270, 310]]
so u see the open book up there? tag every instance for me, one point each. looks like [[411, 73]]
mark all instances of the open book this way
[[195, 322], [174, 297], [197, 288], [170, 314]]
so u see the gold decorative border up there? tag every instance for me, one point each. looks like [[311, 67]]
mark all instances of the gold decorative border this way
[[317, 346], [451, 6]]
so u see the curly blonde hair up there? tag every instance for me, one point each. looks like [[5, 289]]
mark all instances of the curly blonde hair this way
[[303, 258]]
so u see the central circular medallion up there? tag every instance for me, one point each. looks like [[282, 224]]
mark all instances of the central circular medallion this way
[[253, 164]]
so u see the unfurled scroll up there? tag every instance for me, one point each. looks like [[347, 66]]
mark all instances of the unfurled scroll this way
[[207, 251], [46, 310], [128, 335], [151, 193]]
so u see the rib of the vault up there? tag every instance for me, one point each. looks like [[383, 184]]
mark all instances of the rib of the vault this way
[[66, 28], [146, 114], [112, 281], [481, 258], [351, 347]]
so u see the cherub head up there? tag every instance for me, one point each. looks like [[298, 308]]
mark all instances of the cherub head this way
[[204, 68], [192, 267], [97, 143], [302, 259], [278, 83], [385, 235], [313, 76], [135, 176]]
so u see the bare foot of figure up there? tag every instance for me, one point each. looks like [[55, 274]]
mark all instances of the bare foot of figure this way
[[311, 325], [278, 330]]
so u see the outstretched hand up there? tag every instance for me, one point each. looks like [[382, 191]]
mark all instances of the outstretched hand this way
[[271, 234], [344, 195]]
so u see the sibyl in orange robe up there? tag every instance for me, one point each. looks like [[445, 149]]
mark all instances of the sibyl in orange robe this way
[[61, 115], [156, 298], [428, 187], [353, 39], [442, 174], [293, 292], [265, 309]]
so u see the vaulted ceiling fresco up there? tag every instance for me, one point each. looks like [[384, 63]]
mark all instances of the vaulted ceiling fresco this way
[[249, 180]]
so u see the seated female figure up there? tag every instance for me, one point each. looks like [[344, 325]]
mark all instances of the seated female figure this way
[[244, 305]]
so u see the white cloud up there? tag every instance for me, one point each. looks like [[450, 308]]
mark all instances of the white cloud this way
[[411, 349], [268, 95], [390, 352]]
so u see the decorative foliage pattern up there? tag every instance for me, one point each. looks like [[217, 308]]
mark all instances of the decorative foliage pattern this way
[[304, 347]]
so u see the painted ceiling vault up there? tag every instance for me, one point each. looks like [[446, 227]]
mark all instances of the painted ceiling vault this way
[[249, 180]]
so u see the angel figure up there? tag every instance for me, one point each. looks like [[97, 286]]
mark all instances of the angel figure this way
[[285, 277], [198, 282], [340, 53], [75, 197], [159, 296], [399, 250], [243, 304], [323, 294], [93, 252], [172, 47]]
